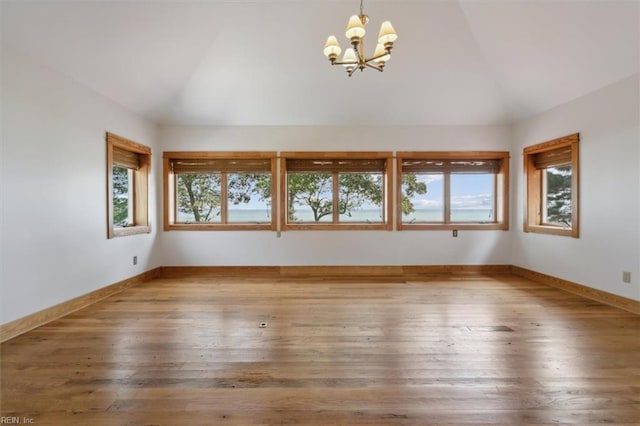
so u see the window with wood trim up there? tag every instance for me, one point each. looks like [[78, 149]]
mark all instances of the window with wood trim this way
[[551, 170], [452, 190], [128, 165], [219, 190], [335, 190]]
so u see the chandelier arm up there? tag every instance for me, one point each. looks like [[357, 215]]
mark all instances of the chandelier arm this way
[[350, 73], [344, 63], [375, 67], [373, 58]]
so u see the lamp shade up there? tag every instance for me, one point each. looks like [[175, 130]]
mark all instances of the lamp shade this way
[[387, 33], [355, 28], [332, 47], [380, 50], [350, 57]]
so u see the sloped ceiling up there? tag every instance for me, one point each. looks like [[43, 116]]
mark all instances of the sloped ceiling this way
[[260, 62]]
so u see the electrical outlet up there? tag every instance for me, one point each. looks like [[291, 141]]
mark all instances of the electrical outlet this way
[[135, 260], [626, 277], [455, 233]]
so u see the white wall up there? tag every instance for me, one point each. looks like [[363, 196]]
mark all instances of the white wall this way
[[2, 155], [54, 235], [333, 247], [609, 125]]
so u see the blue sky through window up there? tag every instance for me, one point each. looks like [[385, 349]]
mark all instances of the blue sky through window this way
[[468, 191]]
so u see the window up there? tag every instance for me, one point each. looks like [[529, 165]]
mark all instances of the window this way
[[551, 170], [452, 190], [335, 190], [128, 165], [218, 190]]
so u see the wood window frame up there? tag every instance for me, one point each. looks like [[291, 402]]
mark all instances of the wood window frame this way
[[387, 197], [534, 187], [169, 202], [501, 190], [140, 202]]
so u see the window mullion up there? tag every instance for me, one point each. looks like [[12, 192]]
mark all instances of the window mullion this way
[[447, 197], [175, 196], [540, 197], [543, 197], [336, 198], [133, 196], [223, 197], [495, 198]]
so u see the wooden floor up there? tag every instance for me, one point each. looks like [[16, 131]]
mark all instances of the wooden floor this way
[[448, 350]]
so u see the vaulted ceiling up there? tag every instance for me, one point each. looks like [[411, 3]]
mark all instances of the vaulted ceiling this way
[[260, 62]]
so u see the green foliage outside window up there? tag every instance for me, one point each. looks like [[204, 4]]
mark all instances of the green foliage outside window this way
[[411, 187], [121, 193], [199, 195], [558, 195], [313, 190]]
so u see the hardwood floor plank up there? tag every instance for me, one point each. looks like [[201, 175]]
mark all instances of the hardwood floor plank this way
[[444, 350]]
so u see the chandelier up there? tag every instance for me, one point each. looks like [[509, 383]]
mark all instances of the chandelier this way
[[354, 57]]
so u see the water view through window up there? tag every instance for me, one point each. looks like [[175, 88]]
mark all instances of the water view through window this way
[[471, 198]]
